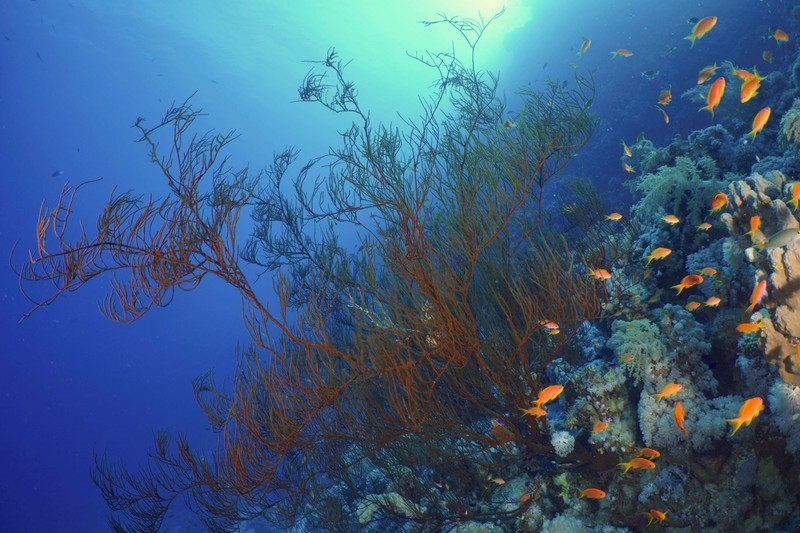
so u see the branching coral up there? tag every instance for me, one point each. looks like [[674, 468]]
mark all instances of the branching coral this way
[[399, 353]]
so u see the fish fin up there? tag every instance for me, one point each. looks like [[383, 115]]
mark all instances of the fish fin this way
[[737, 423]]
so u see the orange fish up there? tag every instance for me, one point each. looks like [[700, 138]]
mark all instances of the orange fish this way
[[766, 55], [655, 514], [627, 358], [706, 73], [749, 90], [759, 121], [759, 291], [743, 74], [713, 301], [626, 149], [692, 306], [670, 219], [593, 493], [584, 46], [708, 271], [719, 201], [665, 96], [671, 389], [524, 499], [600, 273], [508, 124], [621, 52], [628, 168], [688, 281], [714, 95], [679, 416], [638, 462], [755, 223], [747, 412], [614, 217], [657, 254], [750, 327], [600, 426], [704, 226], [664, 115], [795, 195], [548, 394], [650, 453], [534, 411], [702, 27], [780, 36]]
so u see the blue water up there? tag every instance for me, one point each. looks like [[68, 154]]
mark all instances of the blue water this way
[[74, 76]]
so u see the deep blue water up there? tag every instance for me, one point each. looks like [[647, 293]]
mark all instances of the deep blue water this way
[[74, 76]]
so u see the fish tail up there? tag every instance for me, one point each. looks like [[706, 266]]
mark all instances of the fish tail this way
[[692, 38], [737, 423], [794, 201], [626, 466], [614, 54], [709, 109]]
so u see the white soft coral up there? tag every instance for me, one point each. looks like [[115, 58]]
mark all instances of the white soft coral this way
[[784, 403]]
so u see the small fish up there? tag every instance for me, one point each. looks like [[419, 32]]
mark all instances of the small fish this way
[[704, 226], [650, 453], [663, 115], [689, 280], [621, 52], [584, 46], [755, 223], [708, 271], [749, 90], [706, 73], [655, 514], [497, 480], [702, 27], [670, 389], [524, 499], [795, 195], [508, 124], [747, 412], [692, 306], [670, 219], [780, 36], [759, 121], [750, 327], [665, 96], [56, 173], [780, 239], [593, 493], [766, 55], [628, 168], [600, 273], [713, 301], [719, 201], [549, 324], [534, 411], [714, 95], [599, 427], [549, 394], [627, 150], [614, 217], [679, 415], [638, 463], [627, 358], [658, 254], [758, 294]]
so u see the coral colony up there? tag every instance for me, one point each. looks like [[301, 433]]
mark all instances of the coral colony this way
[[486, 361]]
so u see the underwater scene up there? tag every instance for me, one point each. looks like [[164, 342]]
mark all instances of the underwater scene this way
[[457, 266]]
